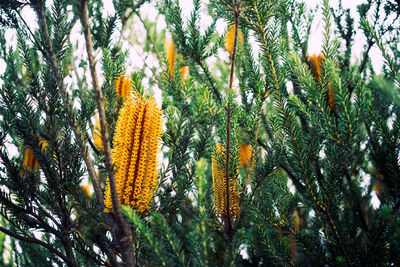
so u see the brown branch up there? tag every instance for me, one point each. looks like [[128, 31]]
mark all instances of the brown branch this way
[[50, 55], [228, 127], [125, 239], [34, 240], [24, 214]]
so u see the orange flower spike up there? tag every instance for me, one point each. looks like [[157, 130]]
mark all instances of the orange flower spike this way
[[123, 86], [316, 64], [331, 97], [136, 144], [29, 160], [245, 155], [219, 187], [230, 38], [171, 53]]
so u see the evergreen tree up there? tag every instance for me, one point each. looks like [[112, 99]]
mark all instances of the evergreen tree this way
[[258, 154]]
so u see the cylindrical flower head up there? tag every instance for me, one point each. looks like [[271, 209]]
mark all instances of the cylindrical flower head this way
[[136, 143], [230, 38], [245, 155], [29, 160], [123, 86], [170, 53], [316, 64], [219, 186]]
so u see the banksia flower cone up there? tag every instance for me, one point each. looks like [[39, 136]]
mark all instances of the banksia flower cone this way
[[123, 86], [245, 155], [230, 38], [316, 64], [171, 53], [219, 186], [135, 147], [29, 160]]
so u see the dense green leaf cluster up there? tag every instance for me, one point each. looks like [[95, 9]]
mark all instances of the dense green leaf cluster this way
[[307, 197]]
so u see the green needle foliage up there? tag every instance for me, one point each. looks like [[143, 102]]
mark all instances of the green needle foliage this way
[[320, 183]]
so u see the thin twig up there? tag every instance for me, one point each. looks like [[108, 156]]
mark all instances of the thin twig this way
[[228, 128], [50, 55]]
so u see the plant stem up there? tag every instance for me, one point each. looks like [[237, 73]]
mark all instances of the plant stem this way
[[125, 238], [228, 128]]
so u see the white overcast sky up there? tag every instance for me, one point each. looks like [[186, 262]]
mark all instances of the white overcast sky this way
[[149, 11]]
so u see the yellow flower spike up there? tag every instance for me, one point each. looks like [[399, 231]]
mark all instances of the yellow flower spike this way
[[135, 147], [245, 155], [97, 135], [29, 160], [230, 38], [219, 186], [316, 64], [123, 86], [171, 53]]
